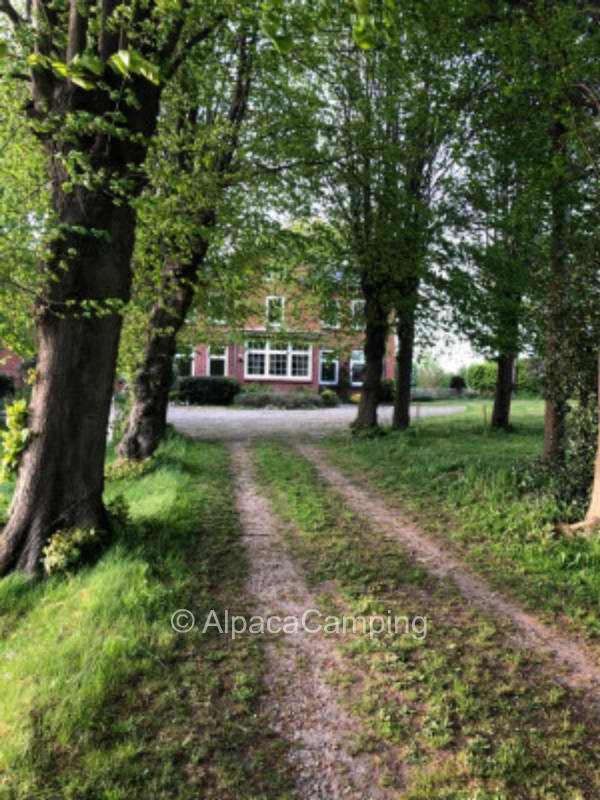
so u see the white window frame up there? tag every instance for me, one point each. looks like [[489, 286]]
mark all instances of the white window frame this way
[[224, 358], [353, 360], [355, 323], [335, 362], [267, 302], [290, 351]]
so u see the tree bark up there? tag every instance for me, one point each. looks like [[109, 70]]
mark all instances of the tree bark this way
[[405, 329], [504, 387], [375, 341], [60, 479], [78, 310], [556, 392]]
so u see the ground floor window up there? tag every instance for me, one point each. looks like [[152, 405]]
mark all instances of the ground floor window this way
[[184, 365], [357, 368], [217, 362], [276, 359], [328, 368]]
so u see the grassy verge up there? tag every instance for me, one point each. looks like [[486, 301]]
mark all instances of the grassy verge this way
[[471, 717], [468, 488], [100, 698]]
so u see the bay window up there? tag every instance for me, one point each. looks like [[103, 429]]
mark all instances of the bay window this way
[[271, 360]]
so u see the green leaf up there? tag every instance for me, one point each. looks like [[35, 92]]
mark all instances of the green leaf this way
[[120, 61]]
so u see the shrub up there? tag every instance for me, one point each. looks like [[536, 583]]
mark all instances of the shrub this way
[[329, 398], [208, 391], [386, 391], [279, 400], [430, 375], [482, 377], [126, 468], [15, 438], [529, 376], [67, 550]]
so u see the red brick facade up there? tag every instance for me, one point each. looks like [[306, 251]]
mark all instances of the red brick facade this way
[[285, 355]]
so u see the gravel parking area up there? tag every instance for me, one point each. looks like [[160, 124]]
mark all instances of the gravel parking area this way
[[214, 423]]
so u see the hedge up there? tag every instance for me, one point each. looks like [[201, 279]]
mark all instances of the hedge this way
[[279, 400], [206, 391]]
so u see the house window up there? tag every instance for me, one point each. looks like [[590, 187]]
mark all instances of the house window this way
[[357, 368], [328, 368], [275, 305], [358, 314], [330, 313], [217, 362], [277, 360]]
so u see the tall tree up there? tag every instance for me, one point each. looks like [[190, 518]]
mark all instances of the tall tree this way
[[96, 76], [201, 138]]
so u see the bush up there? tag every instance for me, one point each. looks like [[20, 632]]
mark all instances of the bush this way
[[208, 391], [67, 550], [431, 376], [279, 400], [329, 398], [386, 391], [529, 376], [482, 377], [15, 438]]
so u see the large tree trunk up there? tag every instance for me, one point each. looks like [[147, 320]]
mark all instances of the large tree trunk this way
[[504, 387], [60, 479], [375, 341], [556, 391], [147, 422], [78, 319], [405, 329]]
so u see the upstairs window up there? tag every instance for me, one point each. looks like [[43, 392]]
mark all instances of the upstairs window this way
[[330, 313], [358, 314], [275, 304]]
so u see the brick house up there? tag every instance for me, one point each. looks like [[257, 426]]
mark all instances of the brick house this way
[[289, 342]]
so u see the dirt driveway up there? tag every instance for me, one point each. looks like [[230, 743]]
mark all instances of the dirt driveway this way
[[239, 424]]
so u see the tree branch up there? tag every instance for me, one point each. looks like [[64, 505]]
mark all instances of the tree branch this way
[[186, 46], [6, 8]]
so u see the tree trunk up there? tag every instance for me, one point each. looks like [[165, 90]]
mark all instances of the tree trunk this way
[[375, 341], [404, 357], [593, 513], [556, 392], [147, 422], [504, 387], [87, 274], [60, 479]]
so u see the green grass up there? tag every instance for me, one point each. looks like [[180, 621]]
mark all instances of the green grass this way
[[467, 715], [468, 488], [101, 699]]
